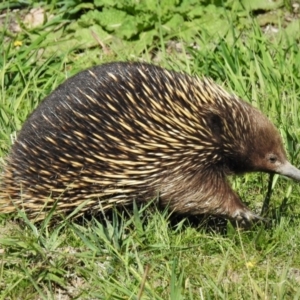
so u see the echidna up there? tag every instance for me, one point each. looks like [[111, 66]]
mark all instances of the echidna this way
[[131, 131]]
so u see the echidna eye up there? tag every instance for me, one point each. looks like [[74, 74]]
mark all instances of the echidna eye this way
[[272, 158]]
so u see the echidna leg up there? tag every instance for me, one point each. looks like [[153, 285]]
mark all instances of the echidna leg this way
[[213, 197], [237, 211]]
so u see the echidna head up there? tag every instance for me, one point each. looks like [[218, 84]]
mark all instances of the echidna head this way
[[267, 151]]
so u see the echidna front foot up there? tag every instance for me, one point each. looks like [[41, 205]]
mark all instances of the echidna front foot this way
[[245, 218], [231, 207]]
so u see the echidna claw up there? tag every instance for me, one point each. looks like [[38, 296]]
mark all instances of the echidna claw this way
[[246, 218]]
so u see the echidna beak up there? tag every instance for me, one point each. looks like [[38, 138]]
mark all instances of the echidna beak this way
[[289, 170]]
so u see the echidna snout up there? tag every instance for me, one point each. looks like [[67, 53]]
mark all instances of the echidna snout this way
[[288, 170], [131, 131]]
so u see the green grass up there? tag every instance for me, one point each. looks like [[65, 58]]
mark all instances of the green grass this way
[[139, 252]]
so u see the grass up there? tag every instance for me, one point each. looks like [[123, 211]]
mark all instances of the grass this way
[[140, 253]]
